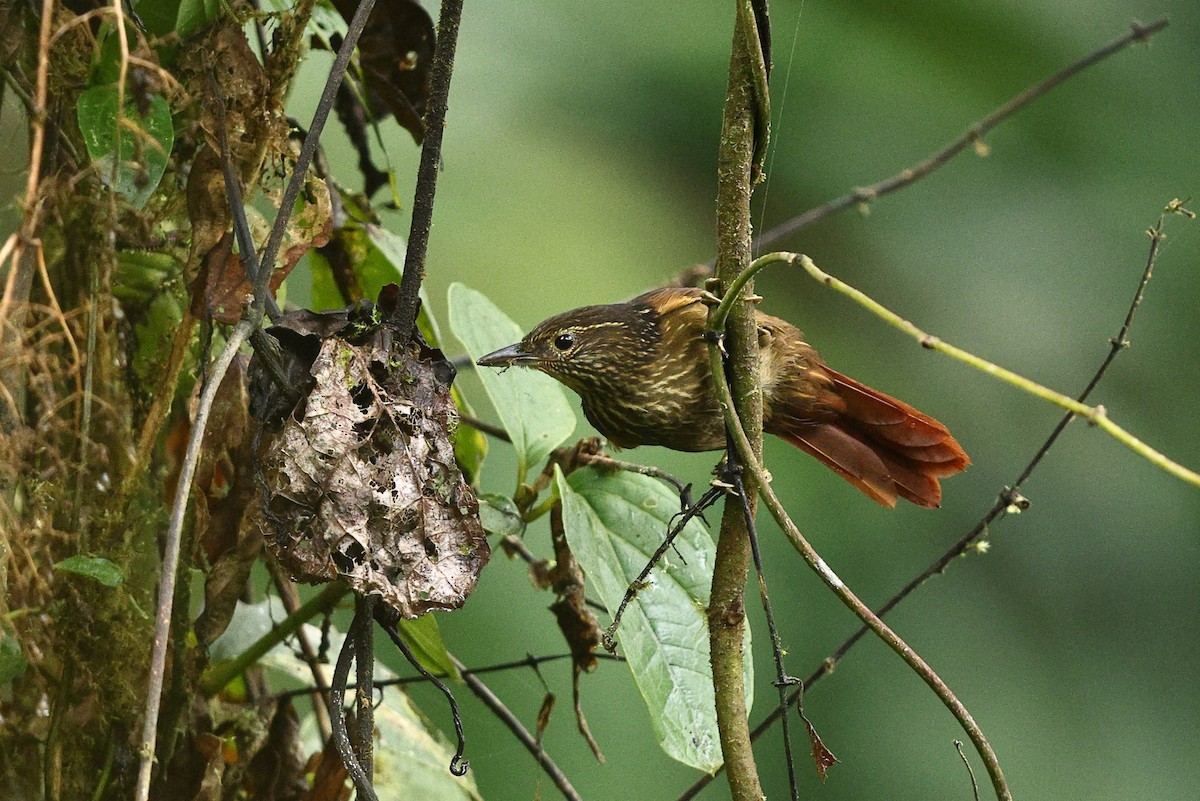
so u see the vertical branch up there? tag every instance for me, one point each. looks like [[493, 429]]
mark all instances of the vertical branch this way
[[726, 611], [364, 691], [440, 70]]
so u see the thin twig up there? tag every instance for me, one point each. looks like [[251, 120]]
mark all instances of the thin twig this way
[[170, 563], [441, 68], [311, 140], [492, 702], [487, 428], [320, 690], [973, 137], [782, 679], [458, 765], [603, 460], [529, 661], [754, 468], [680, 522], [958, 746], [1097, 415], [213, 680], [337, 703]]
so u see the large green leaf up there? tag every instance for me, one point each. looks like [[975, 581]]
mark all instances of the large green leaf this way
[[532, 406], [145, 141], [614, 522]]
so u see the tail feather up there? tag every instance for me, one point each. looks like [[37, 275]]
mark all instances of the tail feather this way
[[879, 444]]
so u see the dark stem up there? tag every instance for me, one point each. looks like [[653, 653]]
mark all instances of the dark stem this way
[[492, 702], [404, 316], [782, 679], [364, 693], [311, 140], [458, 765], [337, 710]]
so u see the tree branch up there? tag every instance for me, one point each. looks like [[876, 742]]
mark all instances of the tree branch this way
[[726, 610], [405, 315]]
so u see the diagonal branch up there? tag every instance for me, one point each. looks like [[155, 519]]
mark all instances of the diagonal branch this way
[[973, 137]]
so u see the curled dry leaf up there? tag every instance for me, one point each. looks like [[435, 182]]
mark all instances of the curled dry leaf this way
[[363, 482]]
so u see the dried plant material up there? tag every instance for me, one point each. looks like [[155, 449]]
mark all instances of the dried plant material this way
[[395, 53], [276, 771], [363, 482], [575, 620], [823, 758]]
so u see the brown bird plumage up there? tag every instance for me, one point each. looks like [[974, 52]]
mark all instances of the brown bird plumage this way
[[641, 369]]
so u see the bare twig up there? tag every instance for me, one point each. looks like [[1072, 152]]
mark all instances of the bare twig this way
[[492, 702], [291, 604], [311, 140], [680, 521], [440, 70], [973, 137], [1097, 415], [458, 765], [484, 426], [529, 661], [958, 746], [170, 563], [782, 679], [217, 676], [337, 704]]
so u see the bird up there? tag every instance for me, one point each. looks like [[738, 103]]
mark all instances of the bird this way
[[642, 372]]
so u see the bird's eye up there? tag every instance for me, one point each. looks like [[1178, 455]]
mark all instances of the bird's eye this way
[[564, 341]]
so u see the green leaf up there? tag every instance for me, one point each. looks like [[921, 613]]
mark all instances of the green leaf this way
[[500, 515], [145, 141], [94, 567], [614, 522], [194, 14], [532, 406], [425, 640], [12, 661], [470, 445]]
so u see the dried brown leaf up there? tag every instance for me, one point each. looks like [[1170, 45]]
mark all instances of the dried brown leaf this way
[[823, 758], [363, 481]]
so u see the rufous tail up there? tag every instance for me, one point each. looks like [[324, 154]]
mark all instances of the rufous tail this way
[[879, 444]]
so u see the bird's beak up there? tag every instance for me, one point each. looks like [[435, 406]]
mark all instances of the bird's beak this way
[[508, 357]]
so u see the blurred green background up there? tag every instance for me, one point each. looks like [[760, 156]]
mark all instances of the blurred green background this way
[[579, 168]]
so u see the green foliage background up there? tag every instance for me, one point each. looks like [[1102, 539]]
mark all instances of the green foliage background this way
[[579, 168]]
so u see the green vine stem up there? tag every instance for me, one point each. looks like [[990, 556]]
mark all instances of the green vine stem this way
[[753, 466]]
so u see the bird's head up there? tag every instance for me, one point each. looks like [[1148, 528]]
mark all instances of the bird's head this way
[[590, 349]]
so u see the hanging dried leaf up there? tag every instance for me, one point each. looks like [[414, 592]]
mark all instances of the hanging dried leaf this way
[[276, 771], [362, 475], [823, 758]]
